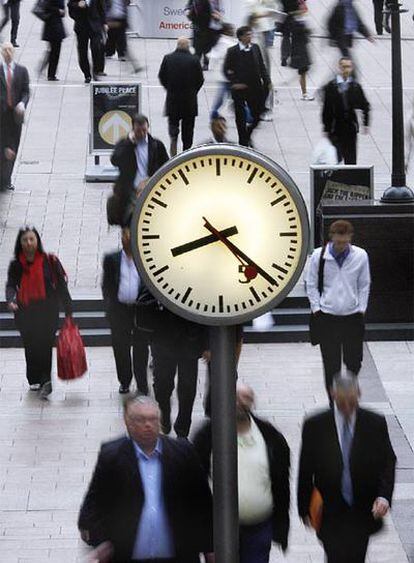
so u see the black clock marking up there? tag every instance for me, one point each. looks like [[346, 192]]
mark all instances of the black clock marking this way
[[289, 211], [283, 270], [190, 303], [252, 175], [228, 308], [159, 280], [292, 249], [150, 237], [288, 264], [210, 161], [241, 163], [213, 308], [286, 204], [187, 168], [145, 229], [168, 181], [161, 270], [159, 194], [163, 187], [264, 294], [273, 185], [152, 266], [148, 214], [146, 222], [288, 235], [183, 176], [281, 277], [293, 226], [186, 294], [159, 202], [195, 165], [244, 305], [248, 167], [233, 162], [177, 296], [292, 219], [255, 294], [150, 206], [205, 308], [165, 285], [279, 190], [202, 163], [236, 307], [198, 306], [251, 302], [278, 200], [290, 256], [270, 289], [262, 174], [147, 251], [174, 176], [221, 304], [218, 167], [268, 179], [149, 259]]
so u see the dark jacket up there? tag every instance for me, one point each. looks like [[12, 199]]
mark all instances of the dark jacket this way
[[335, 116], [234, 68], [91, 17], [336, 24], [372, 464], [182, 76], [20, 86], [279, 465], [199, 13], [53, 28], [113, 503]]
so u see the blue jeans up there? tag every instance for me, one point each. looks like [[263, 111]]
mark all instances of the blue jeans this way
[[223, 92], [255, 542]]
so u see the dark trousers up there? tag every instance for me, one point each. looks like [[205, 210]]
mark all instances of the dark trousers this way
[[166, 364], [378, 9], [345, 539], [255, 542], [341, 338], [345, 142], [53, 58], [345, 43], [117, 40], [10, 133], [187, 129], [125, 334], [255, 100], [286, 46], [86, 37], [11, 11]]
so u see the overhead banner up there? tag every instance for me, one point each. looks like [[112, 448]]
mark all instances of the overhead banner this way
[[166, 18], [112, 108]]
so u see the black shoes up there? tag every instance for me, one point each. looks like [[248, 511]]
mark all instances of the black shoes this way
[[15, 45], [87, 79], [123, 389], [53, 79], [9, 188], [45, 390], [283, 62]]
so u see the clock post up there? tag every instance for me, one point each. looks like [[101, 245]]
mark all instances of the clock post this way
[[224, 435]]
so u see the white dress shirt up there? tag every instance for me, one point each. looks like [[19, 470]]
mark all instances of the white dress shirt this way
[[129, 280], [141, 154]]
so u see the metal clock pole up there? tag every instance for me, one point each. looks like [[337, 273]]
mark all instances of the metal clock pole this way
[[224, 434]]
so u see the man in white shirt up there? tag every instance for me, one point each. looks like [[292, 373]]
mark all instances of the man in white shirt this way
[[337, 283]]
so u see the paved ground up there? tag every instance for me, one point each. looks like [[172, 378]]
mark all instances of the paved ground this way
[[48, 449]]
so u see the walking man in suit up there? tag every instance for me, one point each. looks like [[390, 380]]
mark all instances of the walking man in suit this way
[[181, 75], [14, 97], [11, 9], [245, 70], [337, 283], [342, 96], [138, 157], [149, 499], [347, 455], [122, 288]]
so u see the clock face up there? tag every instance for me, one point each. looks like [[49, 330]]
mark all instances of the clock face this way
[[220, 234]]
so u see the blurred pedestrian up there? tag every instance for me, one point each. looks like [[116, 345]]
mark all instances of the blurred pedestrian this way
[[121, 288], [11, 11], [337, 283], [299, 53], [36, 287], [117, 21], [206, 17], [245, 69], [217, 55], [382, 16], [344, 21], [14, 97], [181, 75], [138, 157], [263, 479], [341, 97], [347, 455], [54, 33], [148, 499], [289, 7], [90, 28]]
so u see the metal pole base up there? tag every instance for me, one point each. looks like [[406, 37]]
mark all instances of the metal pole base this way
[[400, 194]]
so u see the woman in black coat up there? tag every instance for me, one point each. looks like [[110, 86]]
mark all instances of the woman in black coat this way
[[54, 33], [36, 285]]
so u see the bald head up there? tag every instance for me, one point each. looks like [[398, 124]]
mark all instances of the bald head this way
[[346, 393], [183, 43], [7, 52], [244, 401]]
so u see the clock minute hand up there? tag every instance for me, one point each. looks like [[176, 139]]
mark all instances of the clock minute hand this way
[[239, 254]]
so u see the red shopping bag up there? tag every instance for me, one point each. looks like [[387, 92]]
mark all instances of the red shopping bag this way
[[71, 357]]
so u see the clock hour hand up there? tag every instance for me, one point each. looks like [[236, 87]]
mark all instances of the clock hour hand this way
[[198, 243], [251, 268]]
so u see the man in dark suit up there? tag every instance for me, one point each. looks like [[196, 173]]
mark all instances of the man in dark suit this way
[[263, 476], [90, 27], [149, 499], [14, 97], [181, 75], [347, 455], [11, 10], [138, 157], [343, 22], [205, 15], [122, 289], [244, 68], [342, 96]]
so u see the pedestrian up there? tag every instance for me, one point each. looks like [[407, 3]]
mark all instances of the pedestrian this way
[[217, 55], [177, 345], [347, 455], [263, 460], [36, 287], [337, 284], [299, 54], [206, 19], [11, 10], [289, 7], [122, 289], [117, 21], [54, 33], [181, 75], [14, 97], [343, 22], [341, 97], [148, 499], [90, 28], [381, 16], [250, 82]]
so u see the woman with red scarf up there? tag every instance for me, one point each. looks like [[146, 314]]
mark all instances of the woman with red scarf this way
[[36, 285]]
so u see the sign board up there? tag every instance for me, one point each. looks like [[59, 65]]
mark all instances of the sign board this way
[[112, 107], [337, 183]]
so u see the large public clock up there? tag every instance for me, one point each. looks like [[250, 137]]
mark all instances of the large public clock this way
[[220, 234]]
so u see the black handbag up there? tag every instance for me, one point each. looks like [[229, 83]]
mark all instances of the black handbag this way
[[315, 319], [41, 10]]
